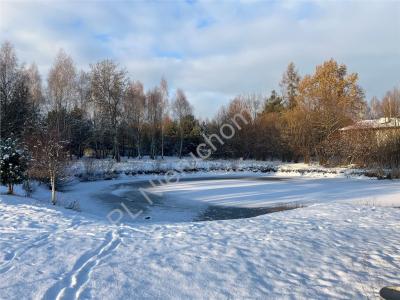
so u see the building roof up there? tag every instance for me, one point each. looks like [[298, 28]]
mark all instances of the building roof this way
[[382, 123]]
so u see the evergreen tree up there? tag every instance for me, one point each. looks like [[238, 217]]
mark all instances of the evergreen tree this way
[[12, 164], [274, 103]]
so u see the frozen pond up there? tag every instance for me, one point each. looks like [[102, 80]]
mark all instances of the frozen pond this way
[[201, 197], [141, 201]]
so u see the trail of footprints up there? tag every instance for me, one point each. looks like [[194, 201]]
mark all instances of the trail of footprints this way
[[38, 242], [73, 283]]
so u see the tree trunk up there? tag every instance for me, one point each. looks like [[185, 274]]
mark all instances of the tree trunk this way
[[153, 146], [10, 189], [162, 141], [53, 189], [181, 145], [307, 158], [138, 151], [138, 145], [116, 148]]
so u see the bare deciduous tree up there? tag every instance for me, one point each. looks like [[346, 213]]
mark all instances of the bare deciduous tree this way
[[181, 109], [61, 92], [134, 111], [391, 104], [154, 99], [289, 85], [14, 93], [35, 86], [164, 111], [49, 157], [107, 83], [82, 99], [61, 82], [375, 108]]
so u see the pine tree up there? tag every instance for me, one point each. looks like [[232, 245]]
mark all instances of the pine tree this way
[[273, 103], [12, 164]]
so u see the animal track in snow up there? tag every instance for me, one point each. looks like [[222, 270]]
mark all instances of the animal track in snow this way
[[73, 284], [15, 254]]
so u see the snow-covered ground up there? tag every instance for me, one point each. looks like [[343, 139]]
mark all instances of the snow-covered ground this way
[[345, 244]]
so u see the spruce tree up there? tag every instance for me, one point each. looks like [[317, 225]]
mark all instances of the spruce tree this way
[[12, 164]]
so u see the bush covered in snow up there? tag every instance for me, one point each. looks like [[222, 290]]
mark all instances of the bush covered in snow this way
[[12, 164], [90, 169]]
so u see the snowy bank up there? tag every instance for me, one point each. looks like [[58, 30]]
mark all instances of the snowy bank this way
[[201, 190], [334, 250], [91, 169]]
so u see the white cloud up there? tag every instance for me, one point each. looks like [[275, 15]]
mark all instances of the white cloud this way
[[212, 50]]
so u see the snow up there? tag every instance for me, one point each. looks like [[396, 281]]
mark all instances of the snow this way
[[146, 165], [184, 199], [260, 193], [382, 123], [345, 244]]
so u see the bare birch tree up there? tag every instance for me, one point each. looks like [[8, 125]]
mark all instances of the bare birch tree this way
[[164, 111], [134, 112], [35, 86], [181, 109], [154, 99], [61, 92], [61, 82], [49, 157]]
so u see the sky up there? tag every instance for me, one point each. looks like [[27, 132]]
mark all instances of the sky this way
[[213, 50]]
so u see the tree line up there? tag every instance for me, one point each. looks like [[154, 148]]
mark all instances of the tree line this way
[[101, 109], [104, 113], [303, 121]]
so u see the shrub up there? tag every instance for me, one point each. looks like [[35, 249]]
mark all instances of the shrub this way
[[12, 164]]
